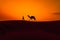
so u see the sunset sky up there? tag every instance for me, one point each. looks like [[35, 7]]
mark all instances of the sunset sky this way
[[43, 10]]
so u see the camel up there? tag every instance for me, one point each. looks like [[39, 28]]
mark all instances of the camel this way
[[31, 17]]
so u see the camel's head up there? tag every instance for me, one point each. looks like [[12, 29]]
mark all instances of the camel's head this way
[[27, 15]]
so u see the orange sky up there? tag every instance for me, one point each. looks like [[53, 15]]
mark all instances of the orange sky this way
[[43, 10]]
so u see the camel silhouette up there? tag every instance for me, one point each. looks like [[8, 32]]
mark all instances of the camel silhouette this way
[[31, 17]]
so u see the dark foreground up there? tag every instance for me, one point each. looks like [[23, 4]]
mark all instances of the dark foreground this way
[[16, 30]]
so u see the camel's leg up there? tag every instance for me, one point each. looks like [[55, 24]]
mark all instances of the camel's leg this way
[[34, 18]]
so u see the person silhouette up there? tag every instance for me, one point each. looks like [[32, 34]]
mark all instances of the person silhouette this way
[[23, 18]]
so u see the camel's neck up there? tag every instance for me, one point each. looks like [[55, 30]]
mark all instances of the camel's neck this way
[[28, 16]]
